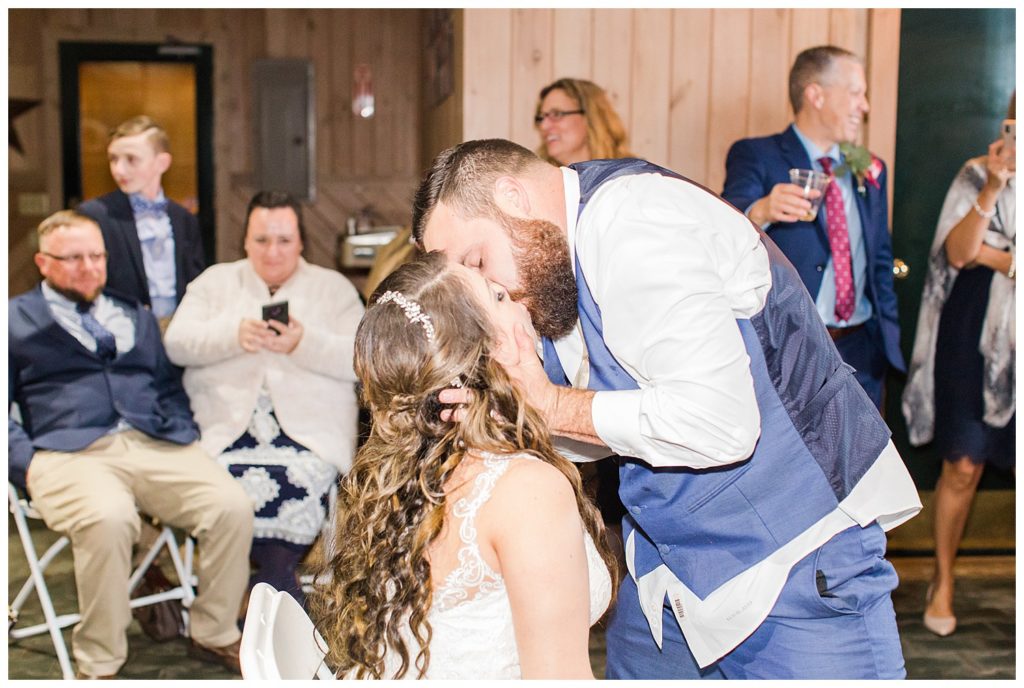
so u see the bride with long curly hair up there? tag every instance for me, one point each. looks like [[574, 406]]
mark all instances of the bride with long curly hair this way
[[466, 548]]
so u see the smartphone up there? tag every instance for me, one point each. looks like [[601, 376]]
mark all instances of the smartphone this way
[[1009, 135], [276, 311]]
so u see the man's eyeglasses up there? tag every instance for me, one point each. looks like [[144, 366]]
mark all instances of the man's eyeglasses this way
[[79, 258], [555, 115]]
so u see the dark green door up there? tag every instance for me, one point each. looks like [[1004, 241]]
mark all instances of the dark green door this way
[[955, 80]]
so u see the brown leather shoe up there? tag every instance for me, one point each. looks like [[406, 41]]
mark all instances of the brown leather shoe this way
[[81, 676], [226, 656]]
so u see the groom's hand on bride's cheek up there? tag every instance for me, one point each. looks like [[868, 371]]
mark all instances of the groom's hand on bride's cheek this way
[[524, 366]]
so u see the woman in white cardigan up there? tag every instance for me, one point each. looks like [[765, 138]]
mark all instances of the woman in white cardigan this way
[[275, 402]]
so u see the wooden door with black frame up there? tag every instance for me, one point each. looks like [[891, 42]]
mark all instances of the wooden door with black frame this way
[[104, 84]]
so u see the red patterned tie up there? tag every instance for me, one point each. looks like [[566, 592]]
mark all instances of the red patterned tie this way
[[839, 243]]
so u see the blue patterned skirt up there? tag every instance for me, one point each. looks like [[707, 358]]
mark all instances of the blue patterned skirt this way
[[288, 484]]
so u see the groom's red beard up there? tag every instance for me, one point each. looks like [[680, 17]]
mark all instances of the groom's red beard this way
[[547, 285]]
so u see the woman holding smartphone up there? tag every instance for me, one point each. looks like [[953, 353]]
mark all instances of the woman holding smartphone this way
[[960, 391], [266, 343]]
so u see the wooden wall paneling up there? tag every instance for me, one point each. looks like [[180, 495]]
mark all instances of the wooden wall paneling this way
[[384, 92], [339, 96], [487, 64], [651, 84], [690, 88], [233, 137], [848, 29], [184, 25], [769, 110], [532, 47], [442, 123], [325, 131], [130, 19], [230, 94], [809, 28], [279, 33], [21, 22], [730, 84], [573, 43], [613, 48], [70, 18], [883, 56], [390, 110], [362, 131], [406, 94]]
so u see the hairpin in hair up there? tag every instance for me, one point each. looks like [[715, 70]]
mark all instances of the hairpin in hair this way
[[413, 312]]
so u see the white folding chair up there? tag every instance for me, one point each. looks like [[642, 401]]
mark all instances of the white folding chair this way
[[22, 510], [279, 640]]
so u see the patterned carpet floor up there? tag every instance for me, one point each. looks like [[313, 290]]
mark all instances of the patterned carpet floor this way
[[984, 646]]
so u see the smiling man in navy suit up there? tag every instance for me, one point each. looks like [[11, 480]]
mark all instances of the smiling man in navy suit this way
[[154, 243], [106, 429], [844, 256]]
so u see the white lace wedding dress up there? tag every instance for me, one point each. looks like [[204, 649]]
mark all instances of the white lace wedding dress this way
[[473, 636]]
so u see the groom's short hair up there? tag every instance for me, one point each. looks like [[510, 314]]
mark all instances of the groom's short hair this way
[[463, 177]]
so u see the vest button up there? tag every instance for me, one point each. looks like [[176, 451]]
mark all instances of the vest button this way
[[819, 268], [635, 510], [664, 549], [630, 466]]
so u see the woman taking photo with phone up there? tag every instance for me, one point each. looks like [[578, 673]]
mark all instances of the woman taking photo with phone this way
[[275, 401], [960, 388]]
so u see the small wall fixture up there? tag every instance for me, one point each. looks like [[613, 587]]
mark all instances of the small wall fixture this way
[[362, 91]]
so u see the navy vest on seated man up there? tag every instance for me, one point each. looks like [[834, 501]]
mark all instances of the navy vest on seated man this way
[[70, 396], [820, 433]]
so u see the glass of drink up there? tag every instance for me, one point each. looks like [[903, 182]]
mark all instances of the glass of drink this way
[[807, 180]]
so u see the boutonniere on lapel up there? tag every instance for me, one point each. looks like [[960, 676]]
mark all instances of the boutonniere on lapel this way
[[864, 166]]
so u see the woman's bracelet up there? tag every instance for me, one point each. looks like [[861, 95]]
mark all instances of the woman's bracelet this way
[[988, 215]]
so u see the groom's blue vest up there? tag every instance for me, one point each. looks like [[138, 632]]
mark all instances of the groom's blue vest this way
[[819, 432]]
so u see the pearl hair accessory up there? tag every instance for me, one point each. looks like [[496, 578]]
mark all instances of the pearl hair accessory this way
[[413, 312]]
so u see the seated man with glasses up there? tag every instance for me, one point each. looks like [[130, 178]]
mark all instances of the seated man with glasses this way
[[107, 430]]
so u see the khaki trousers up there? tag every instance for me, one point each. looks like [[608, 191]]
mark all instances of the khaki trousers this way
[[93, 496]]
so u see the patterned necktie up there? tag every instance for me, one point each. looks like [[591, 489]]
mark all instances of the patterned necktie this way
[[106, 345], [839, 243]]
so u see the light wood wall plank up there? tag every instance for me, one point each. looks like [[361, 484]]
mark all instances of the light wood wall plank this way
[[651, 84], [848, 29], [487, 59], [532, 32], [613, 44], [809, 28], [572, 43], [883, 59], [689, 106], [730, 79], [769, 110]]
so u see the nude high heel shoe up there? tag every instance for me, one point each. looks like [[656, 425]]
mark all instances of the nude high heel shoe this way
[[939, 625]]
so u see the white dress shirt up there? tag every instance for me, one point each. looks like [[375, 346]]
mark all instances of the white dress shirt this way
[[672, 268]]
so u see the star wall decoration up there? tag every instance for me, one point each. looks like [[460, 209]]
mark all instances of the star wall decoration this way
[[15, 108]]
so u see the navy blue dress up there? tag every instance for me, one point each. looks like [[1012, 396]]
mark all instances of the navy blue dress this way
[[959, 372]]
